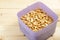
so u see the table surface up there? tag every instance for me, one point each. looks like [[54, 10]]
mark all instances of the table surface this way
[[9, 28]]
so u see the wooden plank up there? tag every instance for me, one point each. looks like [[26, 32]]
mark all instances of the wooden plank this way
[[9, 28]]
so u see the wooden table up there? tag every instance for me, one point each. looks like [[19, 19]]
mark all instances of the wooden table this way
[[9, 28]]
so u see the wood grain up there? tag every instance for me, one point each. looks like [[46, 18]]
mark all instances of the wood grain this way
[[9, 27]]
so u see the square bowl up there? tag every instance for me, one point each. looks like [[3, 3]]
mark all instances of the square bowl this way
[[41, 34]]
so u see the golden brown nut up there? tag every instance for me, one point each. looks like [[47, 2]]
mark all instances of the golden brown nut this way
[[36, 19]]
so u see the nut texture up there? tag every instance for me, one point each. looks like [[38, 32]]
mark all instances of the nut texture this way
[[37, 19]]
